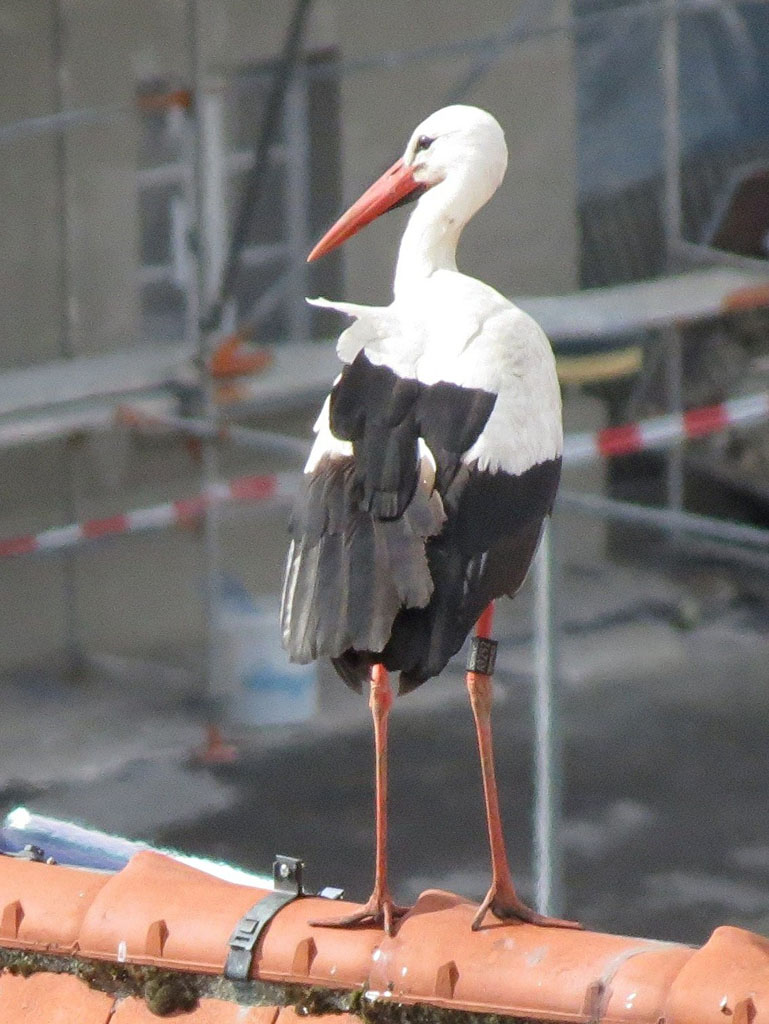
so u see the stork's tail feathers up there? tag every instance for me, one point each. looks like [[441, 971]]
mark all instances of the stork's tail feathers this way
[[354, 668], [349, 572]]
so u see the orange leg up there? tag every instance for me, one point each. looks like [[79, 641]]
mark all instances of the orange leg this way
[[380, 908], [501, 899]]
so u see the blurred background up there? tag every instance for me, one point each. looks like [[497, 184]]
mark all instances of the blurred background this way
[[166, 166]]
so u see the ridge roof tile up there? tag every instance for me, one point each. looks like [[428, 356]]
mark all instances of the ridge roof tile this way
[[42, 906], [159, 912]]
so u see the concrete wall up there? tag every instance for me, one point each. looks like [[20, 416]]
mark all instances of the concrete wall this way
[[29, 256], [141, 595], [524, 241]]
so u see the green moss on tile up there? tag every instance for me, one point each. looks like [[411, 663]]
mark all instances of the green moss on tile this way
[[177, 992], [164, 992]]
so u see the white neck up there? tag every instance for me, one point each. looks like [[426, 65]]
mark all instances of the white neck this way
[[430, 240]]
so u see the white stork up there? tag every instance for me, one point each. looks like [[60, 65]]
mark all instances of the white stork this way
[[436, 461]]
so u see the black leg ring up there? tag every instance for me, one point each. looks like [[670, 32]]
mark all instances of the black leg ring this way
[[482, 656]]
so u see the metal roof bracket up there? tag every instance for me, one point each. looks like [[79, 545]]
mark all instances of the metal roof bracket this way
[[287, 875]]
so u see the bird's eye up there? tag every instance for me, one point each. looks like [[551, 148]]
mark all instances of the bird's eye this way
[[423, 142]]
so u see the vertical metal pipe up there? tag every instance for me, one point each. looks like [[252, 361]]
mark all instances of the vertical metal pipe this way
[[675, 402], [66, 346], [73, 633], [672, 220], [669, 59], [213, 194], [198, 287], [72, 626], [296, 129], [547, 741]]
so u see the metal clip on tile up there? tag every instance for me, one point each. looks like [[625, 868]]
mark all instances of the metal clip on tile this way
[[30, 852], [287, 878]]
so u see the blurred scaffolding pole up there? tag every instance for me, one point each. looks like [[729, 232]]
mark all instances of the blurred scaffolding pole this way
[[669, 63], [548, 752], [72, 627], [218, 252], [209, 230]]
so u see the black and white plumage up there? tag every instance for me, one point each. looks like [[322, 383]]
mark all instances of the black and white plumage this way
[[438, 450]]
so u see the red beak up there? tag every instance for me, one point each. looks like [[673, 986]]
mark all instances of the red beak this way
[[393, 187]]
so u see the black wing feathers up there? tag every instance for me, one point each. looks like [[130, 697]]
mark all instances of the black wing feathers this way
[[489, 506], [349, 573], [377, 570], [450, 420], [375, 409], [485, 550], [384, 415]]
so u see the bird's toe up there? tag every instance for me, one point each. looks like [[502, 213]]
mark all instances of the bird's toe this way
[[504, 903]]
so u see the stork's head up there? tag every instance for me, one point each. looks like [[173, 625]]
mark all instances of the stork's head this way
[[458, 142], [459, 151]]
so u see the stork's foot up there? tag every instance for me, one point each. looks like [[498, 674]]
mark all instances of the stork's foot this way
[[503, 902], [380, 910]]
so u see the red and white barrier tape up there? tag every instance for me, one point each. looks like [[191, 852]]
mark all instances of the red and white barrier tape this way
[[659, 432], [280, 486], [665, 431]]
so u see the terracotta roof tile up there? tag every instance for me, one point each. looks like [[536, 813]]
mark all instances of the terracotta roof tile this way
[[208, 1011], [51, 999], [298, 952], [263, 1015], [160, 913], [726, 980], [288, 1015], [42, 905]]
